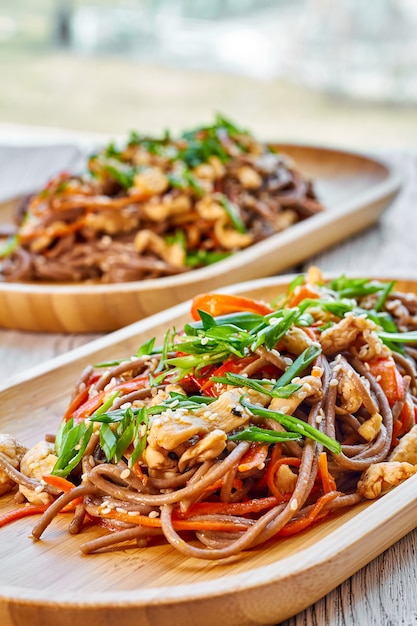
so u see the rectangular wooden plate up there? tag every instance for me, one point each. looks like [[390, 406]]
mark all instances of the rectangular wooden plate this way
[[354, 188], [49, 582]]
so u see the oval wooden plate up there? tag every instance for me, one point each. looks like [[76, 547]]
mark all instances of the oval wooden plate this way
[[49, 582], [354, 188]]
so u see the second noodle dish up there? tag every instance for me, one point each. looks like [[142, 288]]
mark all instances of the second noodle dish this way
[[157, 207], [251, 423]]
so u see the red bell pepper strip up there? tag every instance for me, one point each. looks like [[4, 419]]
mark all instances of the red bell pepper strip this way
[[211, 388], [385, 371], [222, 304], [88, 407], [300, 293], [389, 378]]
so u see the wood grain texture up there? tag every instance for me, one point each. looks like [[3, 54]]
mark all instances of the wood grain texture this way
[[158, 585], [354, 188]]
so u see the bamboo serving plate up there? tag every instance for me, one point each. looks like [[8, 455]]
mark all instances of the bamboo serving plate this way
[[49, 582], [354, 188]]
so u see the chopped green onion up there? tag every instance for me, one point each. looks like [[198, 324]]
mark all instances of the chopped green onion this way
[[72, 444], [263, 435], [146, 348], [380, 303], [299, 365], [233, 213], [406, 337], [258, 385], [295, 425], [108, 441]]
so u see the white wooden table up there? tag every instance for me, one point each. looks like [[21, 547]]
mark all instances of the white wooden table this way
[[383, 593]]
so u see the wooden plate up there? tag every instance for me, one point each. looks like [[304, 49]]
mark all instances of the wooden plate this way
[[49, 582], [354, 188]]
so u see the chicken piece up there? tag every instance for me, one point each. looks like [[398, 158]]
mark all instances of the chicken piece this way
[[170, 253], [249, 177], [173, 427], [170, 430], [285, 479], [204, 170], [11, 451], [350, 398], [314, 276], [209, 447], [228, 237], [296, 340], [380, 477], [209, 209], [406, 449], [39, 461], [310, 386], [150, 181], [352, 329], [369, 429], [111, 222]]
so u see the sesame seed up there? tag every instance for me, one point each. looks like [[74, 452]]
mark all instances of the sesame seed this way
[[334, 382], [125, 474], [110, 384], [153, 514], [133, 513], [120, 510], [105, 510], [285, 408], [294, 504], [39, 489]]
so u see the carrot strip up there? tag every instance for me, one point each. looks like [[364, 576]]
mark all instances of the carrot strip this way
[[327, 479], [61, 231], [34, 509], [302, 523], [137, 470], [24, 511], [178, 524], [273, 468], [59, 482], [254, 458]]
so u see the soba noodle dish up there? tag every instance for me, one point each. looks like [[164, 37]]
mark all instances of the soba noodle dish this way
[[253, 422], [157, 207]]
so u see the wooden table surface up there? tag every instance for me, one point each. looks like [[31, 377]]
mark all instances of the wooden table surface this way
[[383, 593]]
